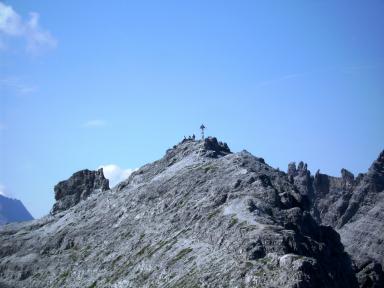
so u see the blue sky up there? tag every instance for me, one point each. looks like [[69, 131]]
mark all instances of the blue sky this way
[[91, 83]]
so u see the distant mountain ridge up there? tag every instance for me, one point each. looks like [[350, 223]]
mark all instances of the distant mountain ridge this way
[[12, 210]]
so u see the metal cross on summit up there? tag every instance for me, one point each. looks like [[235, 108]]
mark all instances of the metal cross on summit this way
[[202, 127]]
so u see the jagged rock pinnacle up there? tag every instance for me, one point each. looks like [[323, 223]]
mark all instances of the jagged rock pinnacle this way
[[354, 207]]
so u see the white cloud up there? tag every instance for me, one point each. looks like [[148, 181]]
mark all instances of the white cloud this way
[[12, 25], [115, 174], [2, 190], [10, 22], [96, 123], [37, 38]]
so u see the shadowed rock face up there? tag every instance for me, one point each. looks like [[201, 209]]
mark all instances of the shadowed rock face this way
[[355, 208], [213, 148], [199, 217], [77, 188]]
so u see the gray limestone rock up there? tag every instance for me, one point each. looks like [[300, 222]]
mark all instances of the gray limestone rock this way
[[370, 274], [355, 208], [77, 188], [213, 148], [199, 217]]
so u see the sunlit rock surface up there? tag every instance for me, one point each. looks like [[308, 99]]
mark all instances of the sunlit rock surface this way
[[199, 217]]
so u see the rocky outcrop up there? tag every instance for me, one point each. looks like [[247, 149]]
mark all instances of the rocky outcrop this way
[[13, 210], [355, 208], [370, 274], [332, 195], [199, 217], [213, 148], [78, 187], [301, 178], [362, 224]]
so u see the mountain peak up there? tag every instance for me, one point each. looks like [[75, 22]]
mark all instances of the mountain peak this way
[[200, 216], [209, 147], [378, 165]]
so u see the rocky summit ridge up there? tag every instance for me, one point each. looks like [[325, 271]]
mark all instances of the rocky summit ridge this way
[[201, 216]]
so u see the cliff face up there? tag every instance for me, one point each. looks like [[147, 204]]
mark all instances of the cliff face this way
[[199, 217], [12, 210], [77, 188], [355, 208]]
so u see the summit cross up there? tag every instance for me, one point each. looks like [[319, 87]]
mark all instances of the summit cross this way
[[202, 127]]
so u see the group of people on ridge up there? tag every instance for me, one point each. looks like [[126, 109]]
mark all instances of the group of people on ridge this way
[[190, 138]]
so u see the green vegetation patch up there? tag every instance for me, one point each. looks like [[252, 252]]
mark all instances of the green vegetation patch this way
[[233, 222], [64, 275], [93, 285], [142, 250], [180, 255], [160, 245], [62, 278], [213, 214], [209, 168], [116, 260]]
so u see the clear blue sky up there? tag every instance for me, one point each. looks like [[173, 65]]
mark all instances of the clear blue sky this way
[[90, 83]]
